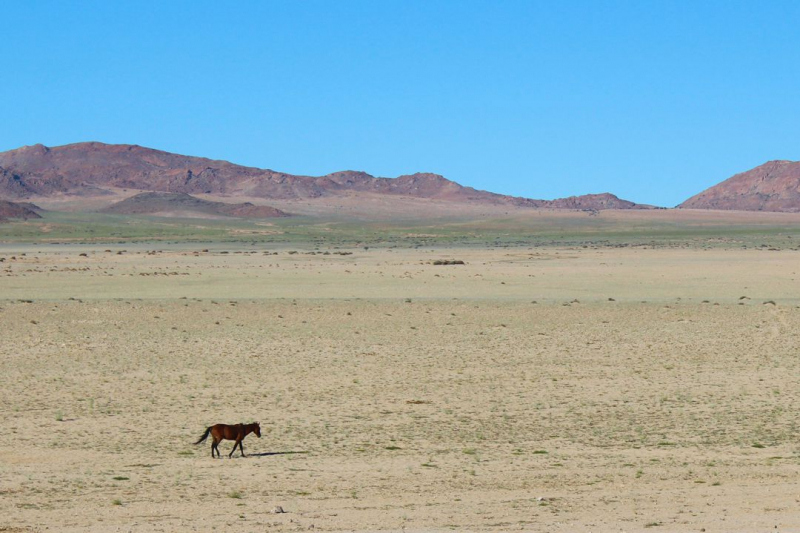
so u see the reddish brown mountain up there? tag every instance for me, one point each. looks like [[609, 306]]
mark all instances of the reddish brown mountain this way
[[773, 186], [17, 210], [88, 168], [596, 201], [180, 203]]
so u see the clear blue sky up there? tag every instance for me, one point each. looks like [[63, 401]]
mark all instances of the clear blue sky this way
[[653, 101]]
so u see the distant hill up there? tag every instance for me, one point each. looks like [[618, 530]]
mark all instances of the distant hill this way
[[597, 202], [17, 210], [180, 203], [773, 186], [89, 168]]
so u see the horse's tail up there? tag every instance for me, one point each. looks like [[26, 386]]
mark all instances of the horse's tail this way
[[205, 435]]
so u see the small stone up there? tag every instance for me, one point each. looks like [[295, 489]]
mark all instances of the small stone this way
[[278, 510]]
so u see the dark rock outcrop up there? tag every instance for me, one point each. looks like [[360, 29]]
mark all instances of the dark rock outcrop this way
[[17, 210], [159, 202]]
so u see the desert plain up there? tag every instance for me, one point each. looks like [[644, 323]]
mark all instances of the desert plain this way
[[570, 377]]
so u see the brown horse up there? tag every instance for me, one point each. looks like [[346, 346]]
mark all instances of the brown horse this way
[[225, 432]]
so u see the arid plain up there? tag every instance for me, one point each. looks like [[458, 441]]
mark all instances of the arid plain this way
[[603, 383]]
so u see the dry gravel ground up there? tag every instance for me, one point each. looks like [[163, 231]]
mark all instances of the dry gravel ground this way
[[398, 395]]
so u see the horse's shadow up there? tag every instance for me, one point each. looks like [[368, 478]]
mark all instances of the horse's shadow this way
[[267, 454]]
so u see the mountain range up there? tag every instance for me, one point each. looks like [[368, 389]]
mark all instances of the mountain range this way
[[91, 169], [94, 169]]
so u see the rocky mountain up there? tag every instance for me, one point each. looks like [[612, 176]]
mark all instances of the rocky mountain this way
[[90, 168], [181, 203], [773, 186], [17, 210], [595, 201]]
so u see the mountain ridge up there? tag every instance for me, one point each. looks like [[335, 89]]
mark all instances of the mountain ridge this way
[[159, 202], [17, 210], [90, 167]]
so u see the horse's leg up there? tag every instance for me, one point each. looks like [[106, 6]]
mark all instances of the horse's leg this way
[[235, 444], [214, 446], [241, 448]]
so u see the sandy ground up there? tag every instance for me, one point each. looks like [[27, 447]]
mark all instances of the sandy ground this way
[[536, 390], [148, 271]]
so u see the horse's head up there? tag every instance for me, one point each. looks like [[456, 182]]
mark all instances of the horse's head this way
[[257, 430]]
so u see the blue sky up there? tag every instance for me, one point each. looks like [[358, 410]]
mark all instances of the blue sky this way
[[653, 101]]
